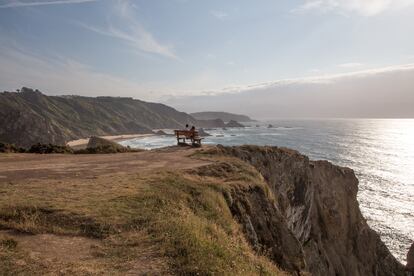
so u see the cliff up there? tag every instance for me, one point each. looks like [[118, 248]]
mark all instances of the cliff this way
[[31, 117], [181, 211], [318, 202]]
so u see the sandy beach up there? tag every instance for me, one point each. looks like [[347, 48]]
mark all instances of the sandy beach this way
[[83, 142]]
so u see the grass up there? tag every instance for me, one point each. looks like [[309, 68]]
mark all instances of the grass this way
[[168, 222]]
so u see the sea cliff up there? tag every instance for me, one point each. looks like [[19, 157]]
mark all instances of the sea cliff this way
[[317, 202], [244, 210]]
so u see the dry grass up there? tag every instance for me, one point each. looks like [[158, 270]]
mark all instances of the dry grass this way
[[196, 229], [153, 222]]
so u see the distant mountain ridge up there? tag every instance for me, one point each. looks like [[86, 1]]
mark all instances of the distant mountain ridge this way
[[225, 116], [30, 117]]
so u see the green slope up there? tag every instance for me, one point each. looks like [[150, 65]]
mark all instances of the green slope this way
[[30, 117]]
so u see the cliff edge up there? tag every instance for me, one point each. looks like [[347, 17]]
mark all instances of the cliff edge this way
[[318, 202], [182, 211]]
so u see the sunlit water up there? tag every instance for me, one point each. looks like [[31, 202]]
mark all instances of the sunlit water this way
[[380, 151]]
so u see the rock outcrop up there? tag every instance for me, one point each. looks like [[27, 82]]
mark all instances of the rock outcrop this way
[[203, 133], [265, 227], [234, 124], [316, 201], [101, 145]]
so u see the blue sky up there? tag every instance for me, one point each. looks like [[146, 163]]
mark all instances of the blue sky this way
[[157, 49]]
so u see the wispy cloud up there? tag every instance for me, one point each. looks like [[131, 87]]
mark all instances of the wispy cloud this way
[[350, 65], [318, 79], [382, 92], [19, 3], [362, 7], [132, 32], [219, 14]]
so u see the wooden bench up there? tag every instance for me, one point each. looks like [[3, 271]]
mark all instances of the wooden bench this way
[[193, 136]]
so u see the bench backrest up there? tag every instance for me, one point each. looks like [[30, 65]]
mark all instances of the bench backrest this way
[[186, 133]]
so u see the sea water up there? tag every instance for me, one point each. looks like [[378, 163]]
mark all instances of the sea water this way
[[381, 152]]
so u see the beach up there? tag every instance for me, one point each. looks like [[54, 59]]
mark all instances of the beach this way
[[81, 143]]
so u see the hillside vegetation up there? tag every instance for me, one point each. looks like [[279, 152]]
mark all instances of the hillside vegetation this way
[[30, 117]]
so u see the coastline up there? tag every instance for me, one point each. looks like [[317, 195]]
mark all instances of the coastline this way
[[79, 143], [248, 204]]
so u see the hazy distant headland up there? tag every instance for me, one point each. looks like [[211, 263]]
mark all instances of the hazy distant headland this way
[[225, 116]]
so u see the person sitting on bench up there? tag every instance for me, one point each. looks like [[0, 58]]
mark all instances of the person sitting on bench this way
[[193, 131]]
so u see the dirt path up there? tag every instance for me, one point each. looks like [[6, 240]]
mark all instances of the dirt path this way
[[35, 166]]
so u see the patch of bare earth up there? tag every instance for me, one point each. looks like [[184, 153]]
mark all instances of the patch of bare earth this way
[[53, 248], [69, 254]]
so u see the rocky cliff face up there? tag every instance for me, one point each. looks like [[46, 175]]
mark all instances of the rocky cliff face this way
[[31, 117], [315, 223]]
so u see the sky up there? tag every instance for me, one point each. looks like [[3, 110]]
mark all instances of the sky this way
[[195, 54]]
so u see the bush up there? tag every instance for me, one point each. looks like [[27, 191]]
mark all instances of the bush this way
[[49, 148], [10, 148], [105, 149]]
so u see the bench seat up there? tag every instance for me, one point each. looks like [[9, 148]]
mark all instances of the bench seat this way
[[193, 136]]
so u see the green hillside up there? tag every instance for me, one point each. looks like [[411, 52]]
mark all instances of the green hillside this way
[[30, 117]]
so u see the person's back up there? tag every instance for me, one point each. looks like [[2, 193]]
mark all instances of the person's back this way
[[193, 130]]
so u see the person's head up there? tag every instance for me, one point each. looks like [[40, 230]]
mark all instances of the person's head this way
[[186, 125], [193, 127]]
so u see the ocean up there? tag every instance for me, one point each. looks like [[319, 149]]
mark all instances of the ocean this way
[[380, 151]]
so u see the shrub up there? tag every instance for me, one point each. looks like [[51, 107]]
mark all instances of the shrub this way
[[10, 148], [49, 148]]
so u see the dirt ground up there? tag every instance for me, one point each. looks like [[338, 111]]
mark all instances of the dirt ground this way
[[16, 167]]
